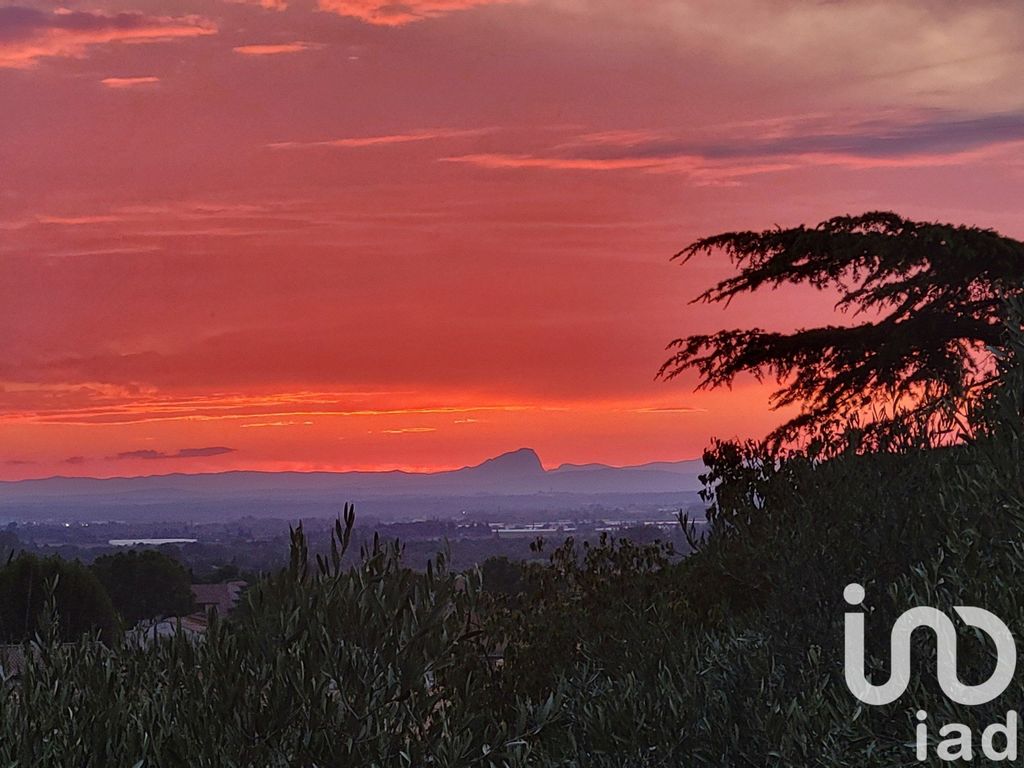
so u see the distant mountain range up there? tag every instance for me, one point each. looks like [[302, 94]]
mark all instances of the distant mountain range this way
[[514, 474]]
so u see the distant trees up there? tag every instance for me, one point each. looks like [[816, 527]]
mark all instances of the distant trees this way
[[144, 584], [130, 586], [81, 602], [932, 301], [227, 572]]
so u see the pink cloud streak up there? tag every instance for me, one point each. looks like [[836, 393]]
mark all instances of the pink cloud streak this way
[[128, 82], [274, 49], [358, 142], [391, 14]]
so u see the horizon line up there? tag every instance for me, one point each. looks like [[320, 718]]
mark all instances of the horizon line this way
[[406, 471]]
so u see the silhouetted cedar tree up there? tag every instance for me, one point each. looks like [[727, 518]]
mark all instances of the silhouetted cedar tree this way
[[927, 304]]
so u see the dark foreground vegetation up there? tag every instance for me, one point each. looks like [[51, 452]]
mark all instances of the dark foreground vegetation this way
[[112, 594], [612, 654]]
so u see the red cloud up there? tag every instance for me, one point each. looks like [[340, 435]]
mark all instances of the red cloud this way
[[394, 14], [272, 49], [359, 142], [27, 35], [270, 5], [496, 160], [128, 82]]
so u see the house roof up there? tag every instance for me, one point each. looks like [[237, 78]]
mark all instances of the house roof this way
[[223, 596]]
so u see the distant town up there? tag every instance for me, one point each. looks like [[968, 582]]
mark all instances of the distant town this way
[[237, 524]]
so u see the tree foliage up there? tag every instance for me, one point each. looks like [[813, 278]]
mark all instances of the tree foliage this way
[[927, 300], [324, 665], [79, 599], [501, 575], [144, 584]]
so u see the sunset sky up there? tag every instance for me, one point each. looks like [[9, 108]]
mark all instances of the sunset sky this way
[[359, 234]]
